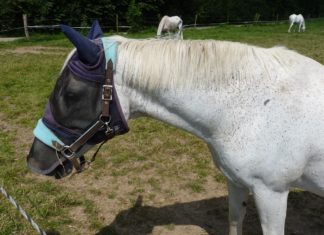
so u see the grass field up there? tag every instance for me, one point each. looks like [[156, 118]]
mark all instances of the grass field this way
[[154, 180]]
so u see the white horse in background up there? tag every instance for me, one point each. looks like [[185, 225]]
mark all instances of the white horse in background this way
[[172, 25], [298, 19]]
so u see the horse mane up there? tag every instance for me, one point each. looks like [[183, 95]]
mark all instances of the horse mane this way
[[207, 64]]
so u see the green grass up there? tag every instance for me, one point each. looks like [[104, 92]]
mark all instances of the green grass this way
[[46, 204], [25, 84], [154, 159]]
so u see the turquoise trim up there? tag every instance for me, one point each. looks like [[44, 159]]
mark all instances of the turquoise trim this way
[[110, 49], [44, 134]]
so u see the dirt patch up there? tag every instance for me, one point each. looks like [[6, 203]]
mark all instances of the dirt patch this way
[[22, 138], [81, 219], [9, 39], [37, 50]]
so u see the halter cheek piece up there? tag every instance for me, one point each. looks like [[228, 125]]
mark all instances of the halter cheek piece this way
[[70, 152]]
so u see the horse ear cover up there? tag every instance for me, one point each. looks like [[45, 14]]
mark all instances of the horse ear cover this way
[[88, 51], [95, 31]]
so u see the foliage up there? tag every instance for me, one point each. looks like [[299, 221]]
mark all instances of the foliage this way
[[134, 16]]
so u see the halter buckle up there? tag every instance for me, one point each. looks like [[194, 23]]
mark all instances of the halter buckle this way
[[107, 92], [68, 153], [65, 150]]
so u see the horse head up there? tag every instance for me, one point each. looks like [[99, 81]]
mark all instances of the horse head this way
[[75, 106]]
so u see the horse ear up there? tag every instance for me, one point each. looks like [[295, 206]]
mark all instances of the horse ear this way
[[95, 31], [88, 51]]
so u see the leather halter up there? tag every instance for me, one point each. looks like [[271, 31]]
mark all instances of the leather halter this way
[[70, 152]]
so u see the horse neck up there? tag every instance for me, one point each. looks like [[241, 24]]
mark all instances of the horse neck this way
[[198, 108], [187, 110], [195, 111]]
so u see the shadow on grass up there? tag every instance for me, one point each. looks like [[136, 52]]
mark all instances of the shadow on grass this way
[[52, 232], [305, 216]]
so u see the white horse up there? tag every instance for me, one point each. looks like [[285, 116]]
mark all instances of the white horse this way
[[298, 19], [172, 25], [260, 111]]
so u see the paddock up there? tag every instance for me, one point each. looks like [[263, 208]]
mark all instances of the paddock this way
[[135, 185]]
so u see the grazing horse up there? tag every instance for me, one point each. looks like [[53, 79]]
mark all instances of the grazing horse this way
[[260, 111], [172, 25], [298, 19]]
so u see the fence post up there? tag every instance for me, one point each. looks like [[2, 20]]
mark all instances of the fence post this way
[[196, 16], [117, 23], [26, 26]]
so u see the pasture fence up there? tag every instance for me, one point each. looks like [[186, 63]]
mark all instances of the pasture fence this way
[[25, 29]]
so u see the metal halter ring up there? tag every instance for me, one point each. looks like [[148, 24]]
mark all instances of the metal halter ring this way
[[67, 152], [102, 119]]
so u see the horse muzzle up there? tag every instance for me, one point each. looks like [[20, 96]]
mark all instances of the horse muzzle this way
[[46, 161]]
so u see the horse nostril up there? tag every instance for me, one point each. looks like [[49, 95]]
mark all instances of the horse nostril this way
[[62, 170], [58, 175]]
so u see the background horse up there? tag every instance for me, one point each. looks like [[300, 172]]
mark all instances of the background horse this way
[[298, 19], [260, 111], [172, 25]]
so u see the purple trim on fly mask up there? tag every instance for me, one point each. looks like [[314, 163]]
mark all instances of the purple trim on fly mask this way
[[92, 73]]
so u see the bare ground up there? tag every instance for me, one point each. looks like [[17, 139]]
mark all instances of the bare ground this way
[[36, 50], [6, 39]]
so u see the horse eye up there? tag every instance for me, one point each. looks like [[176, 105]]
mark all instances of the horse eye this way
[[70, 95]]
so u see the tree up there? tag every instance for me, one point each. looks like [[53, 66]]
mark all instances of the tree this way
[[134, 16]]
